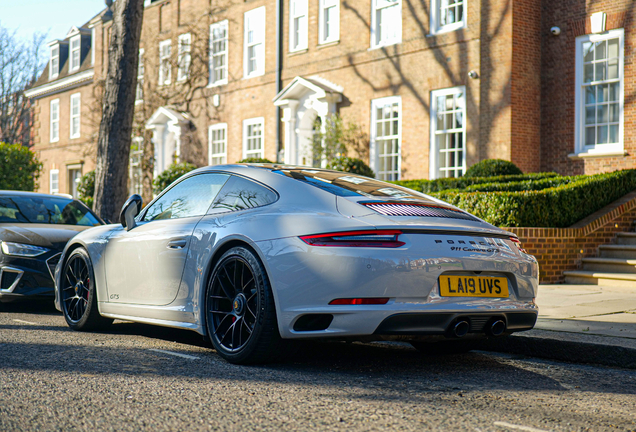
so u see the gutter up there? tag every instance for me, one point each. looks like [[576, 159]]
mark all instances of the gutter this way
[[279, 68], [60, 85]]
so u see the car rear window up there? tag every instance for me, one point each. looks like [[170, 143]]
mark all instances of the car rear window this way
[[45, 210], [347, 184]]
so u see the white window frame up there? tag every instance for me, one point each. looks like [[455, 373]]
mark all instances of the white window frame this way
[[580, 149], [252, 153], [55, 120], [433, 149], [185, 56], [74, 64], [223, 155], [54, 63], [141, 71], [374, 150], [323, 6], [223, 25], [377, 40], [298, 25], [165, 66], [92, 46], [52, 189], [436, 17], [75, 97], [254, 16]]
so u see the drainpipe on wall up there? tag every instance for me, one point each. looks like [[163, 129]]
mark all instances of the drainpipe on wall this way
[[279, 68]]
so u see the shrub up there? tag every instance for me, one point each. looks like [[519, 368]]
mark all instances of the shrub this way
[[255, 160], [86, 188], [492, 168], [524, 185], [170, 175], [559, 206], [351, 165], [19, 167], [428, 186]]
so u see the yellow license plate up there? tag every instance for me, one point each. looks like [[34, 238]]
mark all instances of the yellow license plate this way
[[473, 286]]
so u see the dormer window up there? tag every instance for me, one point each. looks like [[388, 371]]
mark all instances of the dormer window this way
[[54, 66], [76, 44]]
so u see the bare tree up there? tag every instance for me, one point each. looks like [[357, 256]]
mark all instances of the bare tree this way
[[115, 132], [20, 62]]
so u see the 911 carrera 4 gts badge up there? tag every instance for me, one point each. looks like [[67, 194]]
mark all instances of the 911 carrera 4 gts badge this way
[[486, 246]]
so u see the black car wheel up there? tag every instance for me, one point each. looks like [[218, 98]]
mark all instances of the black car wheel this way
[[79, 298], [241, 316]]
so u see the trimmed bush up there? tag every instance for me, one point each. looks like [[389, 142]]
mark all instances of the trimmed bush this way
[[86, 188], [492, 168], [351, 165], [558, 207], [525, 185], [170, 175], [443, 184], [255, 160], [19, 167]]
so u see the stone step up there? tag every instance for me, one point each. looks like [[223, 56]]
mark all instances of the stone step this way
[[609, 265], [626, 238], [583, 277], [617, 251]]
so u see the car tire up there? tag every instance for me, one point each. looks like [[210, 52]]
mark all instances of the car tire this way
[[450, 347], [240, 311], [78, 294]]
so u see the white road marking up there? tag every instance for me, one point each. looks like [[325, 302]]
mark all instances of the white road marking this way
[[189, 357], [519, 427], [25, 322]]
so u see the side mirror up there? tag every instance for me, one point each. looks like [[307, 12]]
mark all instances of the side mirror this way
[[131, 208]]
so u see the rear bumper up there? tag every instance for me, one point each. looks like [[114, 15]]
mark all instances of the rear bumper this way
[[305, 279]]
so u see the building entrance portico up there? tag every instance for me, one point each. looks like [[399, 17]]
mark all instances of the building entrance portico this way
[[166, 125], [303, 101]]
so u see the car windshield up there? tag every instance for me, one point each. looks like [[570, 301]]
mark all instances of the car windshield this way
[[45, 210], [347, 184]]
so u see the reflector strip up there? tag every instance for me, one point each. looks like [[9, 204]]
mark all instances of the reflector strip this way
[[360, 301], [375, 238], [395, 209]]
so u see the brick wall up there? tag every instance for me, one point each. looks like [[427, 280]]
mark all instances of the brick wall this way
[[561, 249], [558, 83]]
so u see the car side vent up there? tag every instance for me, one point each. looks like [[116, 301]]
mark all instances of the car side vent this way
[[402, 209]]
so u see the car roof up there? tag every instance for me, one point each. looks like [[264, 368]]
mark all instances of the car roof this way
[[31, 194]]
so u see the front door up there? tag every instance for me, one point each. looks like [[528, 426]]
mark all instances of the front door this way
[[145, 265]]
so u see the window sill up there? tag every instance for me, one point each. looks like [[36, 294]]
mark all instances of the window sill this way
[[591, 154], [448, 29], [216, 84], [297, 52], [328, 44], [384, 45]]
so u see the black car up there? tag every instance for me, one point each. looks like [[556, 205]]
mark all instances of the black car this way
[[34, 228]]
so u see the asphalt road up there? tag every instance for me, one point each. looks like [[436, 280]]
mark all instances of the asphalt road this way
[[138, 377]]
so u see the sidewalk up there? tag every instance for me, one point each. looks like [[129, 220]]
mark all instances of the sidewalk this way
[[580, 323]]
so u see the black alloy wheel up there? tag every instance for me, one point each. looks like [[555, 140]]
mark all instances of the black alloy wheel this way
[[241, 316], [78, 295]]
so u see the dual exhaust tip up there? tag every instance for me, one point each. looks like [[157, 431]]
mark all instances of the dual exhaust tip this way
[[494, 327]]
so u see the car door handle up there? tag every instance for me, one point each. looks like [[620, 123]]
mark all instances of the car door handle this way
[[177, 244]]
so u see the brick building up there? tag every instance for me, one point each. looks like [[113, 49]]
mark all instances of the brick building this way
[[437, 85]]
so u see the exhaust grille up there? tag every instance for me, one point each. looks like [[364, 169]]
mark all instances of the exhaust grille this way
[[401, 209]]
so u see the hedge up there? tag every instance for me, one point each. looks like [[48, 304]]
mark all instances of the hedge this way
[[428, 186], [525, 185], [558, 207], [493, 167]]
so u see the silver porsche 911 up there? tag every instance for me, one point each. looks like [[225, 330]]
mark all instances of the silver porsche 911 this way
[[253, 256]]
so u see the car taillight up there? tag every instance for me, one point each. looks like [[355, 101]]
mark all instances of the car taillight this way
[[360, 301], [384, 238], [517, 243]]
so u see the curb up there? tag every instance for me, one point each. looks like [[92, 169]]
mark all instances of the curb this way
[[564, 350]]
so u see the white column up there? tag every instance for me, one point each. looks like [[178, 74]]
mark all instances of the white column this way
[[289, 118], [157, 141]]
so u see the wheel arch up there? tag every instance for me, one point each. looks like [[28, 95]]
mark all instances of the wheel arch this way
[[225, 246]]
